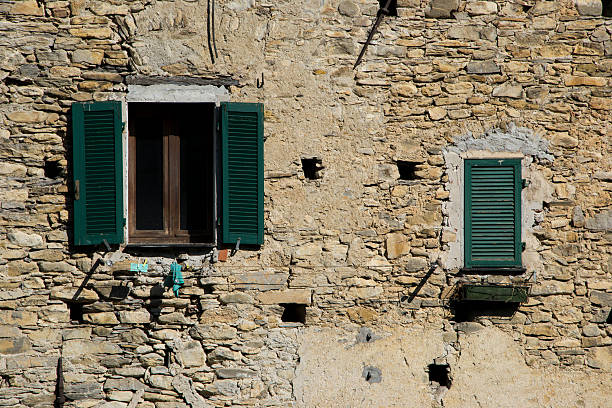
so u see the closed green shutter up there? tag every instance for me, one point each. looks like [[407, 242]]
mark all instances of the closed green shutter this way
[[98, 175], [242, 172], [493, 213]]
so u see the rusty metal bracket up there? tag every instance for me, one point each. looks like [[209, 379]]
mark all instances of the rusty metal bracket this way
[[260, 84]]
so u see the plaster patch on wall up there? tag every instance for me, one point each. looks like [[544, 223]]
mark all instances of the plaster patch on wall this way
[[177, 93], [511, 139], [513, 142]]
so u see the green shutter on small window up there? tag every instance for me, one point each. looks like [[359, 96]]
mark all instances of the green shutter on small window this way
[[493, 213], [98, 174], [242, 172]]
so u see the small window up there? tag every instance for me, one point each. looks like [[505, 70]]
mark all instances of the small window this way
[[171, 172], [493, 213]]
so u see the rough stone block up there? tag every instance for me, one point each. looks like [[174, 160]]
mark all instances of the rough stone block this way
[[397, 244], [479, 8], [261, 281], [589, 7], [235, 297], [101, 318], [83, 390], [134, 317], [348, 8], [601, 298], [124, 384], [93, 57], [191, 354], [508, 90], [15, 345], [441, 8], [23, 239], [482, 67], [78, 347], [237, 373], [600, 222], [300, 296], [18, 318]]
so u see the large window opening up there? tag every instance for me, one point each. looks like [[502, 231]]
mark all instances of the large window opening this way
[[171, 172]]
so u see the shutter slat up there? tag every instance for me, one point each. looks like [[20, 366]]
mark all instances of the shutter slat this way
[[242, 157], [492, 219]]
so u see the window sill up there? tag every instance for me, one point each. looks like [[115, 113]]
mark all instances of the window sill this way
[[169, 245], [516, 270]]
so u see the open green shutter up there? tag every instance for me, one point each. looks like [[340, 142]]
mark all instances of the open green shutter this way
[[242, 170], [98, 174], [493, 213]]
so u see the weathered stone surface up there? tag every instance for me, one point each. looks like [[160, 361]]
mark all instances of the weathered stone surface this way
[[589, 7], [300, 296], [78, 347], [204, 332], [101, 318], [18, 318], [601, 298], [15, 345], [509, 90], [134, 317], [348, 8], [547, 288], [27, 7], [565, 140], [260, 281], [477, 8], [123, 384], [235, 297], [93, 57], [25, 240], [67, 294], [234, 373], [482, 67], [397, 245], [191, 354], [83, 390], [600, 222], [441, 8]]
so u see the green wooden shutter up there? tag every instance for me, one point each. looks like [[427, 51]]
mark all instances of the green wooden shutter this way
[[242, 172], [98, 173], [493, 213]]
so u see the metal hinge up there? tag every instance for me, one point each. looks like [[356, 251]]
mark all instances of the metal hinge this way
[[77, 189]]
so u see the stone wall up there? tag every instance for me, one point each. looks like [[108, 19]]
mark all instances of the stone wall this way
[[442, 81]]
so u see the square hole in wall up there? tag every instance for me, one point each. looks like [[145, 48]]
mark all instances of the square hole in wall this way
[[52, 169], [311, 166], [293, 312], [609, 319], [439, 374], [76, 312], [407, 170]]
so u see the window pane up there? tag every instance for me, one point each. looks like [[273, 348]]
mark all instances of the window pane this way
[[149, 175], [196, 183]]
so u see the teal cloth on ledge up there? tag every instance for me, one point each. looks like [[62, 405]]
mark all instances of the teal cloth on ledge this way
[[175, 279]]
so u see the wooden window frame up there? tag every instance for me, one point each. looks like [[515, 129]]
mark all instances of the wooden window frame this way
[[171, 233]]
